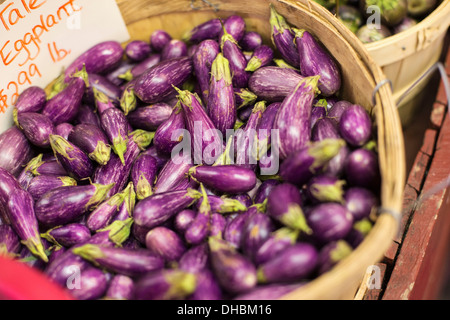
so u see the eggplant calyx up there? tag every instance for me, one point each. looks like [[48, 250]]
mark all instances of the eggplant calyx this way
[[277, 21], [61, 146], [286, 232], [127, 76], [119, 231], [253, 64], [142, 138], [129, 197], [83, 75], [295, 219], [128, 101], [325, 150], [120, 147], [143, 188], [89, 252], [205, 207], [332, 193], [100, 194], [101, 154], [299, 32], [217, 244], [342, 250], [181, 284], [220, 69], [36, 248], [68, 181], [231, 205], [261, 276]]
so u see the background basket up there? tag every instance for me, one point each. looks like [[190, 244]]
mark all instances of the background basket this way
[[360, 77]]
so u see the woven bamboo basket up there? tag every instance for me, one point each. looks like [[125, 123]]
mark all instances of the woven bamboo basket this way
[[406, 56], [360, 77]]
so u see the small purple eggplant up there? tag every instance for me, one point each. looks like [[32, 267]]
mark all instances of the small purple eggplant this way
[[264, 190], [244, 199], [16, 150], [140, 69], [234, 271], [115, 76], [65, 105], [32, 99], [120, 288], [234, 229], [74, 160], [99, 59], [26, 175], [9, 241], [262, 56], [183, 219], [325, 128], [143, 174], [251, 41], [195, 259], [244, 97], [273, 83], [283, 64], [319, 111], [157, 83], [165, 243], [87, 115], [210, 29], [172, 173], [329, 222], [199, 229], [93, 285], [283, 38], [158, 40], [158, 208], [203, 58], [257, 230], [338, 109], [68, 235], [150, 117], [50, 167], [234, 25], [355, 126], [93, 141], [323, 188], [207, 287], [293, 119], [165, 284], [122, 261], [36, 127], [137, 50], [166, 138], [174, 49], [42, 184], [358, 232], [64, 130], [277, 242], [104, 213], [221, 106], [302, 165], [21, 214], [316, 61], [331, 254], [237, 60], [218, 224], [335, 166], [227, 178], [293, 264], [360, 202], [115, 125], [65, 204], [362, 169], [127, 207], [101, 84], [224, 204], [266, 125]]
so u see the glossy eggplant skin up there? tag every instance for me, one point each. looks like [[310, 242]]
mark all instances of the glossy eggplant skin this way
[[143, 174], [325, 128], [157, 83], [32, 99], [238, 62], [257, 230], [16, 150], [150, 117], [210, 29], [36, 127], [355, 126], [165, 243], [203, 58], [172, 173], [137, 50], [165, 139], [42, 184], [362, 169], [68, 235], [251, 41], [93, 141], [262, 56], [234, 25], [174, 49], [9, 241], [103, 85], [120, 288], [360, 202], [158, 39], [116, 127]]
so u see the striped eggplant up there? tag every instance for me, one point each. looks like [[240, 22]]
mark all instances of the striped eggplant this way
[[325, 128], [128, 100], [238, 63], [210, 29], [174, 49], [234, 229], [244, 97], [64, 130], [336, 165], [93, 141], [316, 61], [355, 126], [127, 207], [165, 243], [101, 84], [9, 241], [32, 99], [257, 229], [172, 173], [137, 50], [273, 83], [266, 125], [360, 202], [143, 174], [319, 111], [115, 76], [157, 83], [203, 58], [275, 243], [199, 229], [218, 224], [221, 106], [245, 199], [158, 40], [116, 127], [324, 188], [140, 69], [16, 150], [264, 190], [93, 285], [224, 204], [42, 184], [235, 26], [166, 135], [36, 127], [150, 117], [26, 175], [195, 259], [251, 41], [104, 213], [183, 219], [207, 287], [66, 204], [87, 115], [293, 120], [49, 167], [68, 235], [74, 160], [338, 109], [261, 57], [120, 288]]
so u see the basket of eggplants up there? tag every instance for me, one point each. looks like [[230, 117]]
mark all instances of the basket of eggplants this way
[[92, 176]]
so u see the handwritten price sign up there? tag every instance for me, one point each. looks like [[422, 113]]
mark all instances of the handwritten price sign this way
[[38, 38]]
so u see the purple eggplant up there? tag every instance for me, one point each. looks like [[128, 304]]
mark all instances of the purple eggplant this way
[[50, 167], [218, 224], [335, 166], [32, 99], [207, 142], [325, 128], [355, 126], [99, 59], [266, 125], [9, 241], [165, 243], [284, 204], [293, 264], [207, 287], [237, 60], [104, 213], [319, 111], [203, 58], [329, 221], [257, 230], [74, 160], [331, 254], [161, 158], [68, 235], [122, 261], [93, 285], [264, 190], [234, 229], [360, 202], [65, 105], [65, 204], [150, 117], [137, 50], [183, 219], [324, 188], [234, 25], [358, 232], [338, 109], [244, 199], [26, 175], [173, 172], [262, 56], [226, 178], [42, 184], [224, 204], [116, 127], [273, 83], [114, 76], [140, 69], [127, 207], [293, 119], [221, 106], [87, 115], [21, 214], [101, 84], [168, 135], [64, 130], [93, 141], [316, 61], [302, 165], [157, 83], [174, 49], [199, 229], [283, 38], [244, 97], [276, 242], [120, 288], [234, 271], [16, 150], [158, 208], [195, 259], [269, 292], [362, 169], [159, 39], [143, 174], [165, 284], [251, 41], [210, 29], [36, 127]]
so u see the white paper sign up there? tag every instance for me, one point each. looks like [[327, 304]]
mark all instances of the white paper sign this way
[[38, 38]]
